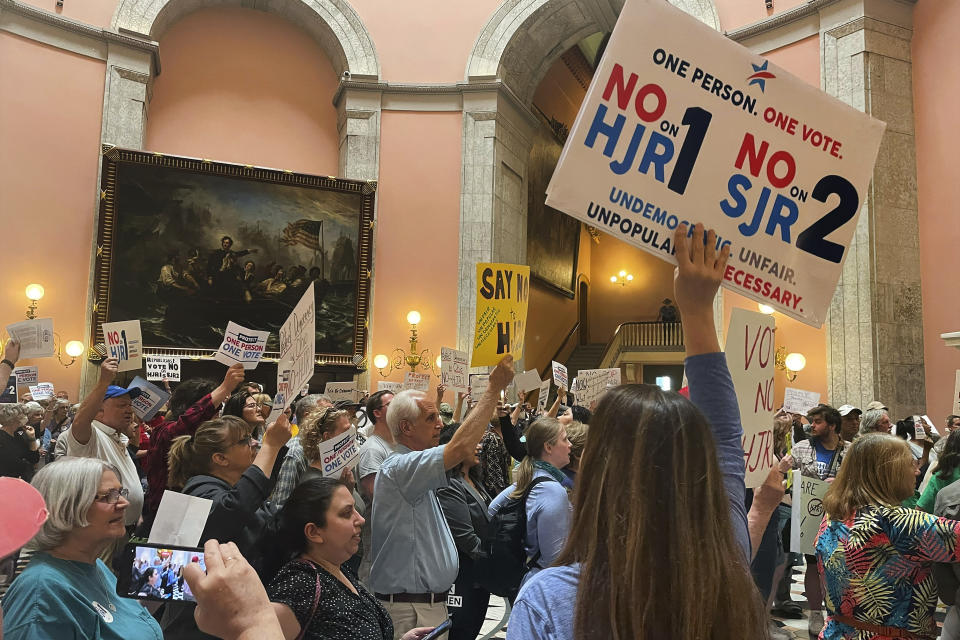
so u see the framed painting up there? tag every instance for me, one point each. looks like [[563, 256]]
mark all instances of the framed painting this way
[[553, 238], [187, 245]]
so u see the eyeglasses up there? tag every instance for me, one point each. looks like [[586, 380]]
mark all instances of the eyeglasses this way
[[253, 406], [246, 442], [113, 496]]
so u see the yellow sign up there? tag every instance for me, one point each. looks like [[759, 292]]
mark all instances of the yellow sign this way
[[503, 292]]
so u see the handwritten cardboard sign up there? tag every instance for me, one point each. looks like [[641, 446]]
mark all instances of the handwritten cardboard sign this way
[[591, 384], [503, 293], [543, 395], [559, 374], [162, 368], [392, 387], [298, 336], [750, 354], [416, 381], [42, 390], [807, 513], [242, 345], [478, 385], [339, 453], [454, 369], [338, 391], [681, 121], [123, 342], [799, 401], [151, 398], [27, 375], [35, 337]]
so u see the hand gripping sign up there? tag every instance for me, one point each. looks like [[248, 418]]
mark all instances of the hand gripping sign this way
[[681, 124]]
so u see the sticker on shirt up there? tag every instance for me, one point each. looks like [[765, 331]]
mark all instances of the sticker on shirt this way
[[102, 610], [454, 600]]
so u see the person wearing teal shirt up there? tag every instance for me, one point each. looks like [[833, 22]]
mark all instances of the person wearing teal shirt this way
[[66, 591], [946, 473]]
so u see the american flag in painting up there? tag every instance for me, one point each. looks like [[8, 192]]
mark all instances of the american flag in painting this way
[[305, 232]]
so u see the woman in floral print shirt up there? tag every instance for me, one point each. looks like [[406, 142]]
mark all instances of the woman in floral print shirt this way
[[877, 556]]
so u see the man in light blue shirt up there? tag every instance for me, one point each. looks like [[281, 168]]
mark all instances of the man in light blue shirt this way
[[414, 555]]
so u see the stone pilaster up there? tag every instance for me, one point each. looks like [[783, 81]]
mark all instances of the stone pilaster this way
[[493, 202], [875, 333], [126, 96]]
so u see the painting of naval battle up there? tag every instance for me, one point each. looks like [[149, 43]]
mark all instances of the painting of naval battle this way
[[187, 245]]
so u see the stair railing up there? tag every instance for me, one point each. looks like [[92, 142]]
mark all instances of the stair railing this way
[[643, 336]]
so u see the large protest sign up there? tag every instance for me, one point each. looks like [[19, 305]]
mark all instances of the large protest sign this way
[[503, 292], [593, 383], [162, 368], [150, 400], [297, 345], [341, 391], [35, 337], [392, 387], [454, 369], [799, 401], [681, 124], [242, 345], [124, 343], [559, 374], [544, 393], [527, 381], [416, 381], [339, 453], [750, 356], [41, 390], [27, 375], [807, 513]]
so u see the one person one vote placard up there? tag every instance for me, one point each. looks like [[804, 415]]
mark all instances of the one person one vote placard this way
[[681, 124], [242, 345]]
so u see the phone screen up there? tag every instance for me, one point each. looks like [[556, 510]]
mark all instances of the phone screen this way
[[438, 631], [155, 572]]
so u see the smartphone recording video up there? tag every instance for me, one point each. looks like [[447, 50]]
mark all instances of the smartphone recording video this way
[[155, 572]]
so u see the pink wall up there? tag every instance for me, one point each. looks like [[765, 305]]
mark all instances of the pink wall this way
[[244, 86], [95, 12], [936, 93], [417, 233], [50, 128], [739, 13]]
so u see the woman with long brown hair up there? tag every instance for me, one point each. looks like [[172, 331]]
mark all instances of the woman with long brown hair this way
[[658, 546], [876, 555]]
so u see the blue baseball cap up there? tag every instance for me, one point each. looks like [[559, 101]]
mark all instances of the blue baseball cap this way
[[113, 391]]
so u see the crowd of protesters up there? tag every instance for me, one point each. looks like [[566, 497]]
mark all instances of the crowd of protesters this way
[[629, 519]]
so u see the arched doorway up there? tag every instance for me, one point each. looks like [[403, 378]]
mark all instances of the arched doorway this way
[[583, 314]]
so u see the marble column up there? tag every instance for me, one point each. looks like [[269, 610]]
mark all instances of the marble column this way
[[875, 333]]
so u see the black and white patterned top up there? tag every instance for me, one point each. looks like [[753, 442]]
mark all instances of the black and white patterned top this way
[[341, 614]]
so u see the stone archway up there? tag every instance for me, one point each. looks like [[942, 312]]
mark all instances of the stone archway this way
[[512, 54]]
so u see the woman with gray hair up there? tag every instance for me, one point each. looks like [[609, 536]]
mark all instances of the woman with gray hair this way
[[66, 591], [19, 449]]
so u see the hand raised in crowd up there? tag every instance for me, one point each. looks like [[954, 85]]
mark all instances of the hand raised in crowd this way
[[502, 374], [699, 270], [278, 433], [108, 370], [441, 388], [11, 350], [785, 463], [231, 601], [233, 377]]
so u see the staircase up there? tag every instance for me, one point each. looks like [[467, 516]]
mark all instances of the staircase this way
[[584, 356]]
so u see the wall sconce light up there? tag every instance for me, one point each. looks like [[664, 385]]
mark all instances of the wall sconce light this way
[[622, 278], [34, 293], [402, 358], [769, 4], [790, 363], [766, 309], [73, 348]]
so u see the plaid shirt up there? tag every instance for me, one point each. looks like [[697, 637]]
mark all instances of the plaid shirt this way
[[294, 465], [160, 441]]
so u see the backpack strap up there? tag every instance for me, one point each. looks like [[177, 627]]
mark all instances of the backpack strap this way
[[532, 562]]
